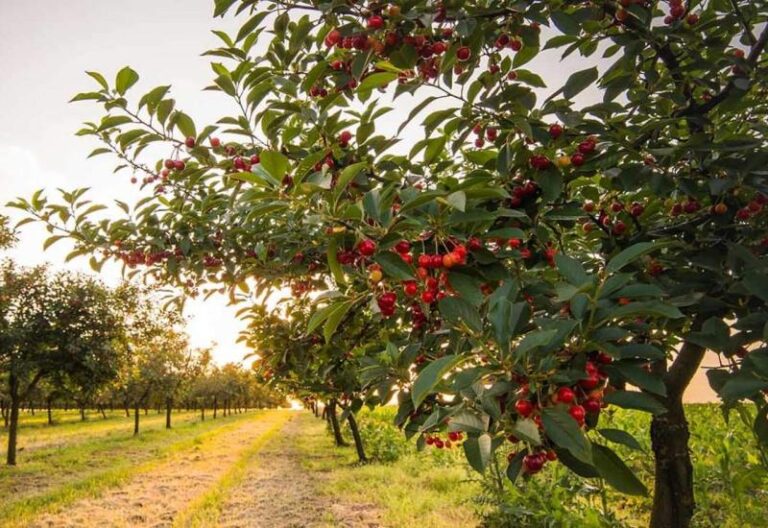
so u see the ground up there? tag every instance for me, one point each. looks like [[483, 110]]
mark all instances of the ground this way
[[270, 469]]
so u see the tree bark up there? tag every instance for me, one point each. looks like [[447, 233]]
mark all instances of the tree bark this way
[[136, 415], [50, 411], [358, 440], [168, 405], [215, 407], [13, 425], [337, 436], [202, 413], [673, 497]]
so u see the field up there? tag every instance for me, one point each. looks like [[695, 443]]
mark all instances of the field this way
[[280, 469]]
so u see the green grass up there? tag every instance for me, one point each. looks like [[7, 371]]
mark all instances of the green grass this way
[[206, 510], [416, 490], [49, 478]]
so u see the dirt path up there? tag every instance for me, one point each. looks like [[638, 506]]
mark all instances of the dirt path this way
[[154, 498], [278, 492]]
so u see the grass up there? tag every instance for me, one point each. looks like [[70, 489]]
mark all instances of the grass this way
[[49, 478], [206, 509], [416, 490]]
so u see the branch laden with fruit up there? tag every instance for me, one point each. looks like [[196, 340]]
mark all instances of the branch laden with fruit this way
[[540, 249]]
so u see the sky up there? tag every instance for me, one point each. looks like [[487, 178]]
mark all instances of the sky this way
[[45, 48]]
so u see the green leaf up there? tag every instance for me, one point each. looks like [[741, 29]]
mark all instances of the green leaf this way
[[185, 124], [742, 386], [578, 81], [631, 254], [99, 79], [457, 311], [563, 430], [125, 79], [377, 80], [478, 452], [638, 377], [457, 200], [566, 23], [527, 431], [334, 319], [52, 240], [615, 471], [393, 266], [618, 436], [431, 376], [649, 309], [757, 284], [571, 269], [515, 466], [635, 400], [435, 147], [333, 262], [275, 163], [468, 422], [348, 174]]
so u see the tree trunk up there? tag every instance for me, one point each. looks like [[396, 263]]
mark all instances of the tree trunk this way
[[136, 420], [215, 407], [50, 411], [673, 498], [103, 413], [202, 413], [168, 405], [356, 435], [13, 426], [330, 409], [82, 413], [4, 412]]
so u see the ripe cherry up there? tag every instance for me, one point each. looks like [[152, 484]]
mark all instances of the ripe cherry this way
[[215, 142], [565, 395], [578, 413], [179, 165], [367, 247], [577, 159], [720, 209], [428, 297], [555, 131], [516, 44], [375, 22], [590, 382], [169, 164], [524, 408], [463, 54], [491, 133], [410, 288], [403, 247], [344, 138], [333, 38], [592, 405], [533, 463], [190, 142], [589, 206]]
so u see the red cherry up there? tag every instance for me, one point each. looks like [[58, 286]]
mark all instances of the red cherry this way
[[333, 38], [179, 165], [565, 395], [403, 247], [215, 142], [367, 247], [516, 44], [524, 408], [463, 54], [577, 160], [428, 297], [410, 288], [590, 383], [533, 463], [616, 207], [491, 133], [514, 243], [555, 131], [169, 164], [578, 413], [190, 142], [475, 244], [345, 137], [375, 22], [592, 405]]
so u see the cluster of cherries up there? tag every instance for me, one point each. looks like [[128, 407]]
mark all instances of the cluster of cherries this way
[[617, 226], [453, 438]]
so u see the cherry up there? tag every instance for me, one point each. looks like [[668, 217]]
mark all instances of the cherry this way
[[475, 244], [255, 159], [428, 297], [577, 159], [367, 247], [592, 405], [454, 436], [438, 48], [590, 382], [215, 142], [516, 44], [617, 207], [375, 22], [344, 138], [502, 41], [479, 142], [333, 38], [533, 463], [524, 408], [555, 131], [589, 206], [565, 395], [692, 19], [586, 147], [410, 288], [190, 142], [463, 54], [514, 243], [179, 165], [578, 413], [169, 164], [491, 133], [551, 455], [403, 247], [637, 209]]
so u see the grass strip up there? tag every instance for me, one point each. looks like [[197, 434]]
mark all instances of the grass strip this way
[[207, 508]]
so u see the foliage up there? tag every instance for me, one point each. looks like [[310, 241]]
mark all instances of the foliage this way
[[579, 242]]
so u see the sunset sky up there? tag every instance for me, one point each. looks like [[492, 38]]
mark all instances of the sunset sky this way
[[47, 46]]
